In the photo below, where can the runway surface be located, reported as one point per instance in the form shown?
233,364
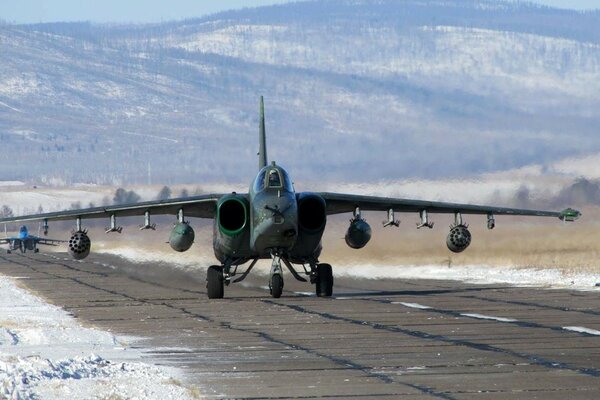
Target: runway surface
374,339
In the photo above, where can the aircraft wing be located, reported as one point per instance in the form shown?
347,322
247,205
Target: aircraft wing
49,242
7,240
203,206
338,203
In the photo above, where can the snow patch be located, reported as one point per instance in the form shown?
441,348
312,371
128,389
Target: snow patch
413,305
581,329
45,353
478,274
11,183
488,317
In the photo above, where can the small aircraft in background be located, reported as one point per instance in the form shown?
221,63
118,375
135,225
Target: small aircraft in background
24,241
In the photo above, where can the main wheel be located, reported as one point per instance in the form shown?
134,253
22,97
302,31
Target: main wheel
324,280
214,282
276,285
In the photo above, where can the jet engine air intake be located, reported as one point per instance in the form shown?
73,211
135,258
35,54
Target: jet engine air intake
359,232
311,213
79,245
182,237
232,215
459,238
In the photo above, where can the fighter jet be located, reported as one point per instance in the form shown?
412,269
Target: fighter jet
273,221
24,241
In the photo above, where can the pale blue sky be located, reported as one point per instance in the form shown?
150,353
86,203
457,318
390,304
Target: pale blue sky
31,11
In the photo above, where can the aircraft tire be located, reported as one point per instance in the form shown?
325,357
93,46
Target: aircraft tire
276,286
214,282
324,280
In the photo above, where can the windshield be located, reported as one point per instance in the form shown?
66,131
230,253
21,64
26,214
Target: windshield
260,181
273,178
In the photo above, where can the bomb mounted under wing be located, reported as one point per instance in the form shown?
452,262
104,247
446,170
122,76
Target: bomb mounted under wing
273,221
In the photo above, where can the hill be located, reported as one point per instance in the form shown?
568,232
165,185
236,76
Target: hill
355,90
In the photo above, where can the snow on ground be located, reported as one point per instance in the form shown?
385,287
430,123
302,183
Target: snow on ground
11,183
478,274
46,354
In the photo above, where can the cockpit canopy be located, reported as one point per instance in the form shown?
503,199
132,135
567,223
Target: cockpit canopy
23,232
273,177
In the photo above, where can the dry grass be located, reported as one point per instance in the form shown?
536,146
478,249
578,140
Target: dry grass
516,242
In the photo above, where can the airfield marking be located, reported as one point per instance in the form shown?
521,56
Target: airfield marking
521,323
532,304
533,358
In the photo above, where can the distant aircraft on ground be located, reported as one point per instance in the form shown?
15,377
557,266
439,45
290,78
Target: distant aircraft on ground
274,222
24,241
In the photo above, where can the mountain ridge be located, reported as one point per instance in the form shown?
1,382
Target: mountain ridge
353,98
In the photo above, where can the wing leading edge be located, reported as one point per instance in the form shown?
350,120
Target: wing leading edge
338,203
203,206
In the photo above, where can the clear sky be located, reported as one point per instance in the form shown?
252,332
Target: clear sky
31,11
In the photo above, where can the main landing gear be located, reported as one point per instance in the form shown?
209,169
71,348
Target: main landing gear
215,282
217,277
323,280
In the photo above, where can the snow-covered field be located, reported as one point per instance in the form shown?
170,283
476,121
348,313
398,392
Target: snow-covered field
478,274
46,354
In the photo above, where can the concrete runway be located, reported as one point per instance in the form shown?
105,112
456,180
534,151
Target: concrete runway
374,339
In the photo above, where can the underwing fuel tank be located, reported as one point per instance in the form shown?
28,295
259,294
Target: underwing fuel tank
182,237
358,234
79,245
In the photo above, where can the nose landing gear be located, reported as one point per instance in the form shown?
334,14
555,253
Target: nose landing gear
276,280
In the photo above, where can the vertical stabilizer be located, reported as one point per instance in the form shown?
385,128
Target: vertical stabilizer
262,137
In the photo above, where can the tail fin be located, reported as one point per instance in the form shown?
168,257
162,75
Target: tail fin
262,137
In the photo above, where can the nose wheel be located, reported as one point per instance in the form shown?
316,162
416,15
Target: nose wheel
276,280
276,285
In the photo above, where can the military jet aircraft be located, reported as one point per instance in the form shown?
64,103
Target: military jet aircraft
273,221
24,241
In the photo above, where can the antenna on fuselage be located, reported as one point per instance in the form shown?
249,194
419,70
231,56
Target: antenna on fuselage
262,137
